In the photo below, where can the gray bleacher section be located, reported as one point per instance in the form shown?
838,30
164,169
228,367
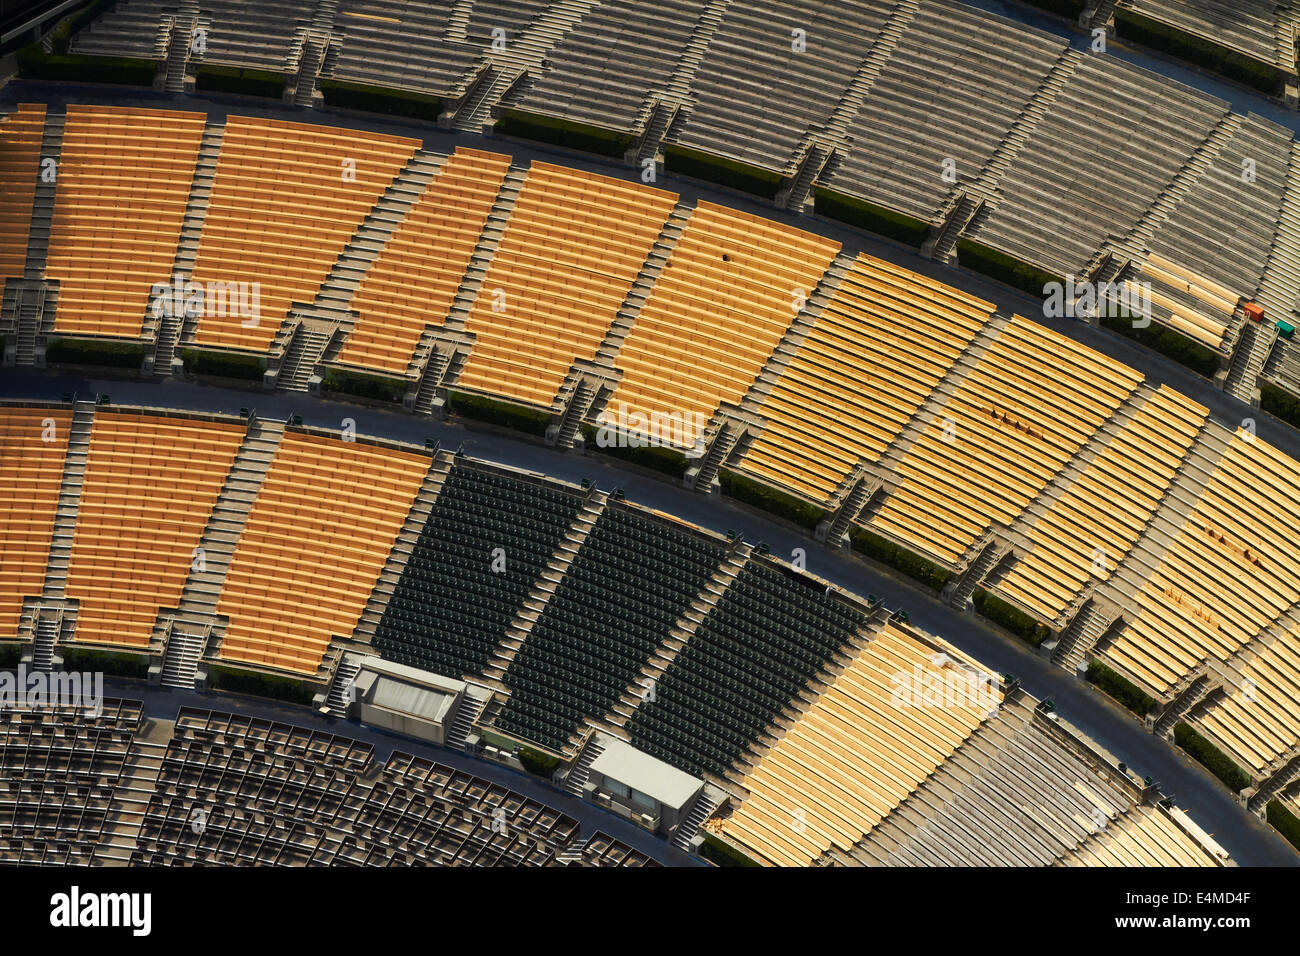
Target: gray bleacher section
756,97
512,16
601,73
1012,795
1262,29
952,89
258,35
1223,229
128,29
411,54
1113,141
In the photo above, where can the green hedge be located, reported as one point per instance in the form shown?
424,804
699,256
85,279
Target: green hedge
224,364
719,169
238,681
998,265
560,132
873,218
1168,343
667,460
1012,618
723,854
1284,822
532,421
377,99
231,79
899,558
1279,402
10,655
379,387
769,499
95,352
1198,50
35,64
112,663
1070,9
1121,688
1218,763
538,763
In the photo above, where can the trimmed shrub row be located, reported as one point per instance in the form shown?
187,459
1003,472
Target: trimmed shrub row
723,171
669,461
224,364
379,387
1281,403
532,421
1198,50
1012,618
232,79
560,132
111,663
1168,343
769,499
1214,759
873,218
1121,688
899,558
723,854
538,763
1284,822
1008,269
95,352
377,99
259,685
35,64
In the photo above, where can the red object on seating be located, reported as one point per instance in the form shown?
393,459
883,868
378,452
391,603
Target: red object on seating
1254,312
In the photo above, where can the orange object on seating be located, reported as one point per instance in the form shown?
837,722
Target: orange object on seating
1254,312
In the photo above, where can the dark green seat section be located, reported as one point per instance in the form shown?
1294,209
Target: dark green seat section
450,609
769,633
627,586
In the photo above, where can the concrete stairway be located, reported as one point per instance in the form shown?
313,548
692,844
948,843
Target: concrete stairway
38,234
547,583
679,82
577,777
1196,691
639,690
47,636
471,708
196,210
385,216
1248,360
938,398
645,280
179,41
786,349
986,184
472,281
65,517
988,559
458,21
30,306
198,602
1081,636
708,801
1189,173
341,693
859,88
439,468
181,658
306,348
1279,287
